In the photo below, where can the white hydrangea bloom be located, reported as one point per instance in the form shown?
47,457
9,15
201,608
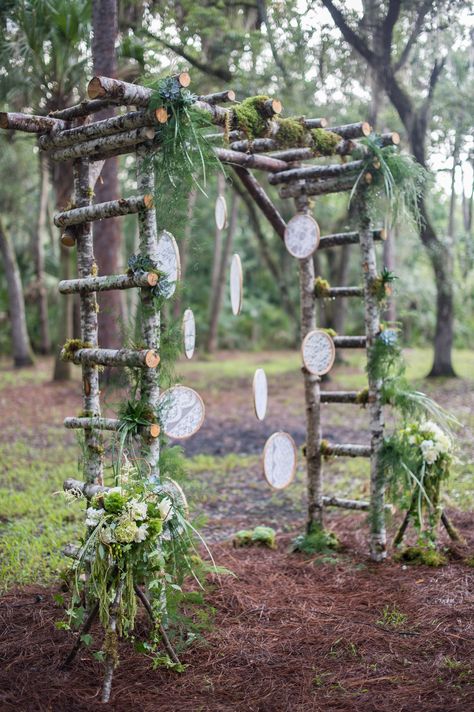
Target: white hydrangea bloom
430,451
141,533
137,509
93,516
106,535
165,507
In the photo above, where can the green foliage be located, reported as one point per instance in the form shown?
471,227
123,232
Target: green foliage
398,180
260,536
392,617
291,133
250,118
420,556
380,286
317,541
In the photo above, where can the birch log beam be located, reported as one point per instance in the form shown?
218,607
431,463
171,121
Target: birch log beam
126,93
30,123
142,358
336,185
263,163
362,129
344,148
342,397
106,283
337,450
101,211
219,97
99,129
262,200
319,172
348,238
378,537
105,145
263,145
350,342
85,108
113,424
357,504
335,292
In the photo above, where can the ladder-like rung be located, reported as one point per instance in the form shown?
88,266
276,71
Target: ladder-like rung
106,283
347,238
107,144
333,292
143,358
105,424
359,504
88,489
350,342
101,211
336,450
359,397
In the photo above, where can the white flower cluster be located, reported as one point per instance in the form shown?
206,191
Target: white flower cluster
435,443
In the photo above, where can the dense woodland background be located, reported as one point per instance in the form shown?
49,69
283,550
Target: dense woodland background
404,66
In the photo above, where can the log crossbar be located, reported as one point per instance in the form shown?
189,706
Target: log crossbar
141,358
102,211
346,450
348,238
350,342
335,292
102,284
342,397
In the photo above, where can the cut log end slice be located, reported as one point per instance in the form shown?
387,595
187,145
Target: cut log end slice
236,285
383,234
155,430
279,460
366,128
152,279
395,138
324,122
161,115
231,95
95,90
277,106
3,120
148,201
260,393
184,79
68,238
152,359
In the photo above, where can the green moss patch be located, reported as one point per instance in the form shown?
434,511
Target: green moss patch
291,133
421,556
318,541
249,116
260,536
324,142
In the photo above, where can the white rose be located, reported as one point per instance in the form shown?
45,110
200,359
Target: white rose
93,516
141,533
137,509
165,507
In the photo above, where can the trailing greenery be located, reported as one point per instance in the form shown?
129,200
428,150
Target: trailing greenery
397,180
260,536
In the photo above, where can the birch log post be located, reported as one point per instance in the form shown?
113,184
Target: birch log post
314,472
112,640
150,316
93,469
378,537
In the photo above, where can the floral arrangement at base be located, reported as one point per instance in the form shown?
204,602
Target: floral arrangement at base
416,460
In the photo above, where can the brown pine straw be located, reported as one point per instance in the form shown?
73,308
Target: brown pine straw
291,634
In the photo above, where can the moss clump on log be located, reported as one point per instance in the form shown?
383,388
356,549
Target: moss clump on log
421,556
260,536
362,397
325,448
329,332
324,142
317,541
249,116
321,288
291,133
71,346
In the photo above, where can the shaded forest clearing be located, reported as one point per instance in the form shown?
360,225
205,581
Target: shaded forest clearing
331,632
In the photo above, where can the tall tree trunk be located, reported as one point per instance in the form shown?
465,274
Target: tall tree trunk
38,253
62,185
107,233
218,292
22,353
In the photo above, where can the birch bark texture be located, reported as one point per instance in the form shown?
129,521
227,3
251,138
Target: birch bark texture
93,468
312,392
150,316
378,536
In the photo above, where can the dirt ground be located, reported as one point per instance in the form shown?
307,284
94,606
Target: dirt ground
291,633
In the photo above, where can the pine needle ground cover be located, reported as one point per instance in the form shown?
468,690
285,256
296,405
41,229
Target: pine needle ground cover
338,647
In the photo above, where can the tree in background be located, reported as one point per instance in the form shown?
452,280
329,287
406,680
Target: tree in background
107,233
386,60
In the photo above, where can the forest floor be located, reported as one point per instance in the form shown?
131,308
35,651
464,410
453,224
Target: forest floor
328,632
